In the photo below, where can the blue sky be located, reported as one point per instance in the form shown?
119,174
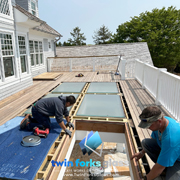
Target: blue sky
90,15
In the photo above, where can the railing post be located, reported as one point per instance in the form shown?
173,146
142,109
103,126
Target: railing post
123,69
70,64
158,90
48,65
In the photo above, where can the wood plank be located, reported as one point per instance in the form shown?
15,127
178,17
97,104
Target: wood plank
48,76
102,126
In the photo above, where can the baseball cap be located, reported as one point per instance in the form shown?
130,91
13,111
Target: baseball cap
146,122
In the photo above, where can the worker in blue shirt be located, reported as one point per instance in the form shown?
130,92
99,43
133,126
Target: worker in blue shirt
45,107
164,146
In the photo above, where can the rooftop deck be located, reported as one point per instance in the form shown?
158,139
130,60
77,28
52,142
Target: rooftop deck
135,97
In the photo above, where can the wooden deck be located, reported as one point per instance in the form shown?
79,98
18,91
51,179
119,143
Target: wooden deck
136,97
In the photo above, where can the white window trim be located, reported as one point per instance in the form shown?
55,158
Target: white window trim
10,10
10,78
26,56
34,54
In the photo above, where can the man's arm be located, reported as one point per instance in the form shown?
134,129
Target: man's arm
67,119
62,125
155,171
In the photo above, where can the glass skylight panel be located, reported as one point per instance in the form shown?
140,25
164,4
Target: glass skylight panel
102,87
101,106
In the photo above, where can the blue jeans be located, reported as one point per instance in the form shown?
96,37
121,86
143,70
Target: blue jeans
151,147
40,120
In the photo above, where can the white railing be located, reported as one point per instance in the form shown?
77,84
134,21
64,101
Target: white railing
164,86
104,63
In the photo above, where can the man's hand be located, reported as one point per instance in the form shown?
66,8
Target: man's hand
137,156
68,132
71,125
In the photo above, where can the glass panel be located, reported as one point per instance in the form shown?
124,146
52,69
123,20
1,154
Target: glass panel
6,44
31,47
36,46
33,6
103,88
34,13
101,106
22,45
41,58
32,59
37,61
23,63
4,7
40,46
69,87
8,66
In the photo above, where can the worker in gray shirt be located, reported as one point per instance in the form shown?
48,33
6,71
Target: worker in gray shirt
54,106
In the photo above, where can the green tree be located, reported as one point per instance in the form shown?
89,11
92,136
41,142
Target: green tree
77,37
67,43
59,44
160,29
102,36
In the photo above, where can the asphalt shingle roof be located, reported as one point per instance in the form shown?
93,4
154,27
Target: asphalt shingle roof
44,27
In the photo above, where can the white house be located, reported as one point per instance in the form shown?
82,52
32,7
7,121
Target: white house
25,43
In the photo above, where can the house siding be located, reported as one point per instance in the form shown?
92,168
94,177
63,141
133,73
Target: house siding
23,4
14,87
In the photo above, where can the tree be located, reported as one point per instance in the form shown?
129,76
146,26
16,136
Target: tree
78,38
102,36
59,44
160,29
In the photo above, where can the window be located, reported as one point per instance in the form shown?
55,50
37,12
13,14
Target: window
49,45
4,7
22,51
31,50
41,52
33,8
36,52
7,56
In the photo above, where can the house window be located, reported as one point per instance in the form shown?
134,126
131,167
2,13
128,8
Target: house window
4,7
41,52
22,51
33,8
7,56
31,50
36,52
49,45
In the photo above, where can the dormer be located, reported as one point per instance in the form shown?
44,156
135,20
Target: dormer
30,6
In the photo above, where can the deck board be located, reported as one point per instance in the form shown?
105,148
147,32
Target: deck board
138,99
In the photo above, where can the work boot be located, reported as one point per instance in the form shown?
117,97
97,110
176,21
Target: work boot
25,122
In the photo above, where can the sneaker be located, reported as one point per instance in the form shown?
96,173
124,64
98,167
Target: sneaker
25,122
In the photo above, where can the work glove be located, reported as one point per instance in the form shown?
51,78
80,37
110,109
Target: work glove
68,132
71,125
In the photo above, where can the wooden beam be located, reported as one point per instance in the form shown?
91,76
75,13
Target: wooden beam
104,126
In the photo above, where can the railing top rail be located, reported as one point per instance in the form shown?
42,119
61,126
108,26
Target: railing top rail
83,56
172,75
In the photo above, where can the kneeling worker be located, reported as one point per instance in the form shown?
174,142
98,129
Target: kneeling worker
164,146
54,106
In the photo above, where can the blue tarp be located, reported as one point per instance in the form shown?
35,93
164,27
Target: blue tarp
19,162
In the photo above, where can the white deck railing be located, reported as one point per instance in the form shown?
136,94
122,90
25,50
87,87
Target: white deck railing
164,86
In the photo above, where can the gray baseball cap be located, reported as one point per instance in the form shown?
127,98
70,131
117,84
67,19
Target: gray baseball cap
147,122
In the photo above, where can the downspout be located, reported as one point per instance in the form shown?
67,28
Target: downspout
55,45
